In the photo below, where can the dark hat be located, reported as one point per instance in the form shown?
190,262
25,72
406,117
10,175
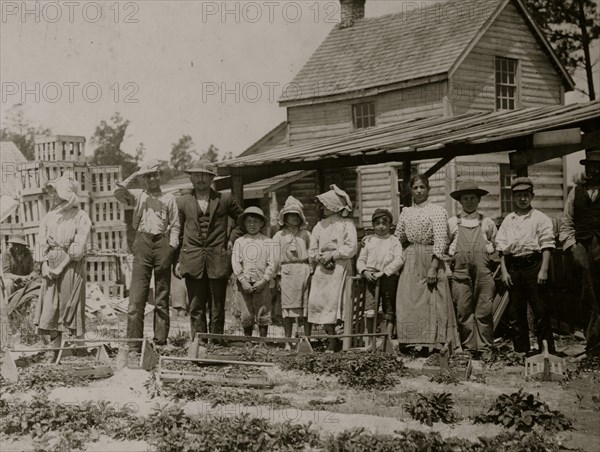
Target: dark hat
382,213
202,166
467,186
251,211
591,156
521,183
18,238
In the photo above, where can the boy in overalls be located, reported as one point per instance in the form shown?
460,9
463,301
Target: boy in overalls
472,241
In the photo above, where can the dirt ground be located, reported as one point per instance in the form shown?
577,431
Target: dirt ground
376,411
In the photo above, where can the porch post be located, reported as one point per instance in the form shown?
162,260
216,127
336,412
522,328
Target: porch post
405,195
237,188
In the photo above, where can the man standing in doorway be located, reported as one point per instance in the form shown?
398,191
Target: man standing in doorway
156,222
580,233
205,252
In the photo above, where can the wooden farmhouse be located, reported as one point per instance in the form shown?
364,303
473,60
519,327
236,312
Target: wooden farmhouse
385,97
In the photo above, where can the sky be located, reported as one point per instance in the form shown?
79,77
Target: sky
209,69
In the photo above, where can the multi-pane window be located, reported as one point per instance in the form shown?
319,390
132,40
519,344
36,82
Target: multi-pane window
506,176
506,83
363,115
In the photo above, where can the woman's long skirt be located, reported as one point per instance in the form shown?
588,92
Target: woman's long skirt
425,314
61,305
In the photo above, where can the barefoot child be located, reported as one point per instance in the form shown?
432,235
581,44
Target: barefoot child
253,265
380,260
292,243
332,247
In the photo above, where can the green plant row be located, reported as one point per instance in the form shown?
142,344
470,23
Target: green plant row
57,427
376,370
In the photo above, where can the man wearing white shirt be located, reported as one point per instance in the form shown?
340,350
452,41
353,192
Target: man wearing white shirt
525,241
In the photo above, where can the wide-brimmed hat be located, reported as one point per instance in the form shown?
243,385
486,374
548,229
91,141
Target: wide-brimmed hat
292,205
591,156
468,186
251,211
382,213
18,238
153,166
521,183
202,166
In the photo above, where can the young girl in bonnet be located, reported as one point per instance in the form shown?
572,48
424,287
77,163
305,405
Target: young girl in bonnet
333,245
293,241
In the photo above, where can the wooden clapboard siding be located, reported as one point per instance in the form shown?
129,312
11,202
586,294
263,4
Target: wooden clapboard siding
376,191
315,122
472,86
305,190
307,123
415,102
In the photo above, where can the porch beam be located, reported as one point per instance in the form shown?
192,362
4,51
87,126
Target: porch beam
438,165
529,156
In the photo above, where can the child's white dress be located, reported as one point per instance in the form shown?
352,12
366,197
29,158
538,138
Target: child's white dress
325,301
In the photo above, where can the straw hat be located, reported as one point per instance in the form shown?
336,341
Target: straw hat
153,166
468,186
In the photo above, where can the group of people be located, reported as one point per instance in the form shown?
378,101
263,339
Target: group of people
430,305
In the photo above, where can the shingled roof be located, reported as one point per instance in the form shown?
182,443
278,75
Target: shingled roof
399,47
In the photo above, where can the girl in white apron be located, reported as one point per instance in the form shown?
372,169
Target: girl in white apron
293,241
333,245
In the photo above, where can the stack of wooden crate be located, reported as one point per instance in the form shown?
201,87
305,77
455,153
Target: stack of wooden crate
107,249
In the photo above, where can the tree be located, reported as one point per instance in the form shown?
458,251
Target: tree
211,154
182,154
108,139
227,156
21,131
570,26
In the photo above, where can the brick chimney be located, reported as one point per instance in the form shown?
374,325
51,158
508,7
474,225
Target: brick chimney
351,10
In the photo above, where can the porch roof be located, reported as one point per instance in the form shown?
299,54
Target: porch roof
429,138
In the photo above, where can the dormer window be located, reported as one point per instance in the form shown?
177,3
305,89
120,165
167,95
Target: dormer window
363,115
506,83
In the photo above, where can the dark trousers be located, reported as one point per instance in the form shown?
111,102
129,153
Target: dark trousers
204,295
388,286
152,253
526,289
590,279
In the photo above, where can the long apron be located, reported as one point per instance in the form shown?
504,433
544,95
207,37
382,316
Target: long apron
327,292
294,284
425,315
473,288
61,305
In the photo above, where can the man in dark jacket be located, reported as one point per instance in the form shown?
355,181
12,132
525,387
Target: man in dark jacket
205,247
580,233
